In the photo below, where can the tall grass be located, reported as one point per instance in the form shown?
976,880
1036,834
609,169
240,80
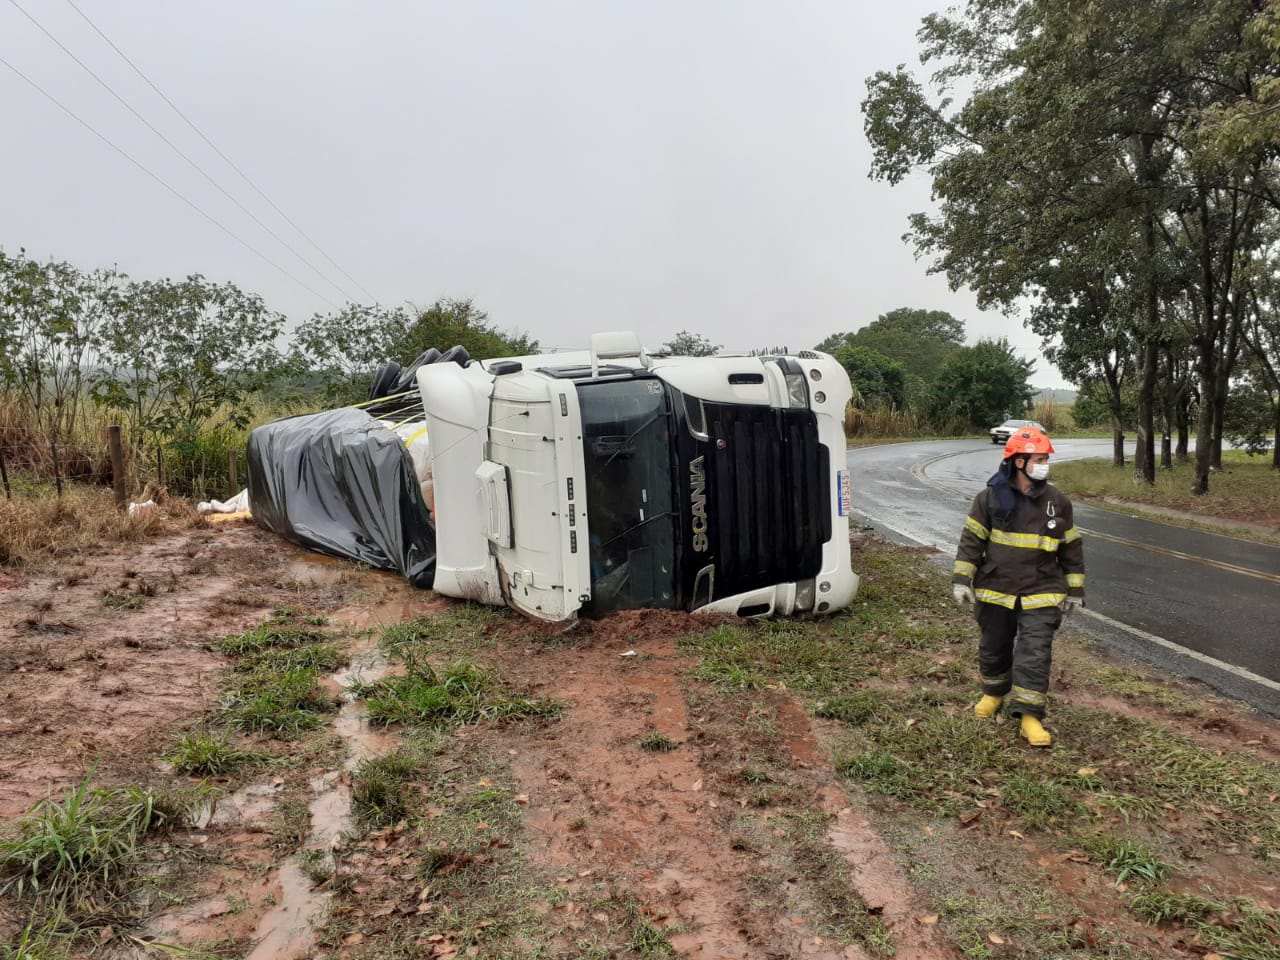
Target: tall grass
88,843
36,531
195,465
1048,412
880,421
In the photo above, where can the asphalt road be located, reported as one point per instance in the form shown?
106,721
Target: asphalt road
1203,605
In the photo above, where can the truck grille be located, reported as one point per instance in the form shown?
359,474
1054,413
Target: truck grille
771,509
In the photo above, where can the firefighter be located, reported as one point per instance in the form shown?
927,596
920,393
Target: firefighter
1021,562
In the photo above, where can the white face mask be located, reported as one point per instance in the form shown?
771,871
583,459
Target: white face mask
1038,471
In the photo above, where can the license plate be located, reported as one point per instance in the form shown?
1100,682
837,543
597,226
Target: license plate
846,492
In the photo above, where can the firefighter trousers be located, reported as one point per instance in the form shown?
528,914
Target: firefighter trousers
1015,655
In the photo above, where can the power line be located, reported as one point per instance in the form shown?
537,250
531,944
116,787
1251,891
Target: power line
172,146
217,223
243,176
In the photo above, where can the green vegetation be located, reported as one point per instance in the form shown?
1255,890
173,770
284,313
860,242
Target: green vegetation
657,742
276,689
1129,859
1245,491
458,694
87,847
201,753
1065,146
456,630
381,793
895,672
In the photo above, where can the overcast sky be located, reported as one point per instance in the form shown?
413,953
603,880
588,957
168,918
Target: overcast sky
571,165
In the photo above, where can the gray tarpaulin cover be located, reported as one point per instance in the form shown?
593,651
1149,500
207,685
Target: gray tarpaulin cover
341,483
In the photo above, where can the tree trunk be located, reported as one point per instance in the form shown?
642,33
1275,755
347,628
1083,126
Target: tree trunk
1275,438
1144,455
1117,444
1204,424
1184,426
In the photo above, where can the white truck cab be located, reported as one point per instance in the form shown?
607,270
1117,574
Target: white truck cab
608,479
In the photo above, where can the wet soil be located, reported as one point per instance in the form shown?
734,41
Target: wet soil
105,663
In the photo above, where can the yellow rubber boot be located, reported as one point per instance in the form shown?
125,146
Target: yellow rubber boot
986,708
1034,732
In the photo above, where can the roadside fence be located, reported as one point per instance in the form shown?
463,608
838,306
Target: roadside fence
31,467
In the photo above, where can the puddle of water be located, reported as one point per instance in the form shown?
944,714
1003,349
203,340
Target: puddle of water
315,570
330,810
248,805
286,931
388,613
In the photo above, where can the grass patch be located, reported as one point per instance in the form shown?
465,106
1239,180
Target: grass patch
648,940
381,787
461,693
1037,803
1244,490
206,754
460,627
1165,907
43,938
1234,928
290,825
286,630
276,690
317,657
87,846
657,742
1129,859
283,705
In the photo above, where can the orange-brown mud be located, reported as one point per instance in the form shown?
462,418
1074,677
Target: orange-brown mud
105,664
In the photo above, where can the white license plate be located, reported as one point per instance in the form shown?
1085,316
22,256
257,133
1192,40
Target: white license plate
846,492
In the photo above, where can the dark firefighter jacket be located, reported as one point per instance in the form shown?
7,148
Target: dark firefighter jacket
1017,546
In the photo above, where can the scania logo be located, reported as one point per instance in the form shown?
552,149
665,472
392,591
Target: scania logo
698,500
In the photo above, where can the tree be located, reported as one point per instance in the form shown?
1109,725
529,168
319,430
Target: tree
447,323
977,384
877,379
1075,142
180,357
686,344
50,317
920,340
345,347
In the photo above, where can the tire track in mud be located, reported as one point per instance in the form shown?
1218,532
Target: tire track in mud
658,825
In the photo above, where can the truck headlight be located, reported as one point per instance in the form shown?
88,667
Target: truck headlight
797,390
804,595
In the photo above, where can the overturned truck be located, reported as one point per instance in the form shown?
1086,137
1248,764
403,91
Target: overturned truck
584,482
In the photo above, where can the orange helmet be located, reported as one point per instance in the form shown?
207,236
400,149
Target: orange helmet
1027,440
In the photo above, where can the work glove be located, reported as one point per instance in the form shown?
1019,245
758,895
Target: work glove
1071,605
963,594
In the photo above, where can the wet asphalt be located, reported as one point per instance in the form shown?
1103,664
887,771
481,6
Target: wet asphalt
1203,605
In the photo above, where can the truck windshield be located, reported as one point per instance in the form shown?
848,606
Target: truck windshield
626,427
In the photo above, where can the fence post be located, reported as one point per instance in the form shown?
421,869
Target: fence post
4,475
57,473
117,465
233,459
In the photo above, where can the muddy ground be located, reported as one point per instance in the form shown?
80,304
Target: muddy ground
106,663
